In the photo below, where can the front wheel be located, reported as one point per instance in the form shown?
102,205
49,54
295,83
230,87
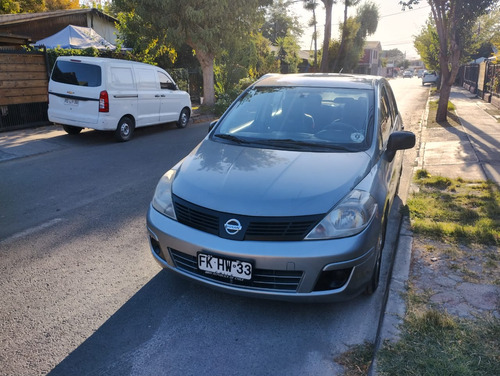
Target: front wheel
374,281
183,118
124,130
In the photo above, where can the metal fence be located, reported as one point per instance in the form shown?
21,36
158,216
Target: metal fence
482,79
24,115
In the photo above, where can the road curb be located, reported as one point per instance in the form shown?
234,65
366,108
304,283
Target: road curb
394,305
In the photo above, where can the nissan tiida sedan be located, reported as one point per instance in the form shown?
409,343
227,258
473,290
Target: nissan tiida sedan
288,195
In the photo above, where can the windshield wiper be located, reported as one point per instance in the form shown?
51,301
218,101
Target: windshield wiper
231,137
303,144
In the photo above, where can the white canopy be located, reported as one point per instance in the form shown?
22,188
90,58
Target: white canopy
76,37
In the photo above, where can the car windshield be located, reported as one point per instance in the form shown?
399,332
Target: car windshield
300,118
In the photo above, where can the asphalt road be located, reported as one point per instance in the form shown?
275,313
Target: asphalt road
80,293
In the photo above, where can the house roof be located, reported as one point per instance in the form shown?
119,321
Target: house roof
373,45
10,19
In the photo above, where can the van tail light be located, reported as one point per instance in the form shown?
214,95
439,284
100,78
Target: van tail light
103,101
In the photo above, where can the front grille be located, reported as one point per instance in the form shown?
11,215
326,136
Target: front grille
264,279
278,230
197,219
253,228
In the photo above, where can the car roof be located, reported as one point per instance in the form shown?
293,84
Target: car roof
99,60
350,81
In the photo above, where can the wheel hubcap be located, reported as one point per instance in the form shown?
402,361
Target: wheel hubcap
125,129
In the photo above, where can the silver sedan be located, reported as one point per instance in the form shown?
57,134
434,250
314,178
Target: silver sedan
288,195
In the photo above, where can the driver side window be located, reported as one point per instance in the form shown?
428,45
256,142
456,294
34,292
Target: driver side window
386,116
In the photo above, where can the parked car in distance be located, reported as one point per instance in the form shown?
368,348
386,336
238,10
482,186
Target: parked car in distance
430,78
113,95
288,195
420,73
407,73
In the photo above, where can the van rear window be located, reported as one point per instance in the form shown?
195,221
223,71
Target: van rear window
80,74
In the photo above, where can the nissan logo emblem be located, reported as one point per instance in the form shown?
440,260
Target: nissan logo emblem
232,227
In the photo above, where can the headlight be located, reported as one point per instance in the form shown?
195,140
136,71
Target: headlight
162,200
348,218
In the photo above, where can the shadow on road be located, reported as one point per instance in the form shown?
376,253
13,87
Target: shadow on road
161,330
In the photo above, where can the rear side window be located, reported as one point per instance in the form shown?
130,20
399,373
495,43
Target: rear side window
79,74
122,78
146,79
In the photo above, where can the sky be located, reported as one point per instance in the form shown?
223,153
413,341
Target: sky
396,28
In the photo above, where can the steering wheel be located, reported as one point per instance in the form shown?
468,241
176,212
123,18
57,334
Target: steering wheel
335,128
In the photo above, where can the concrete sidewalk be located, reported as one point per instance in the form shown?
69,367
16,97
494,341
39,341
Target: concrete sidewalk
471,152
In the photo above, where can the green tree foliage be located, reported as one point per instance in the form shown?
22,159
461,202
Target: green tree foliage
236,69
61,4
454,20
347,4
9,7
352,51
279,23
488,32
427,45
209,28
355,32
283,31
34,6
393,56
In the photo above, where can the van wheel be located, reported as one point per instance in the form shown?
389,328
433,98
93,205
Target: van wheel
183,118
125,129
70,129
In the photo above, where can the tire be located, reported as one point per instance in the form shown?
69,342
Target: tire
372,286
70,129
125,129
183,118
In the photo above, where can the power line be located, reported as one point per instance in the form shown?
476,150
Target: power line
405,11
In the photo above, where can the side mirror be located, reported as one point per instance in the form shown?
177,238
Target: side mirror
172,86
212,125
401,140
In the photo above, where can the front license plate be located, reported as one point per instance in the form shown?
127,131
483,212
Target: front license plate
224,267
71,102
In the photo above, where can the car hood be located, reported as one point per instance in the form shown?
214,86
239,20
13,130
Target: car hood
264,182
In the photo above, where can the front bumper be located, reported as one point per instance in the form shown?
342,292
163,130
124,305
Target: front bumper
314,271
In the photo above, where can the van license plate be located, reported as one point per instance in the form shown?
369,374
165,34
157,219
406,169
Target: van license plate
71,102
224,267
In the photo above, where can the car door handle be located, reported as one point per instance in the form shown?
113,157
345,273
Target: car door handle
163,95
157,96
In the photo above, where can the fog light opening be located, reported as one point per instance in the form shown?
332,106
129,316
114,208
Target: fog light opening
333,279
155,246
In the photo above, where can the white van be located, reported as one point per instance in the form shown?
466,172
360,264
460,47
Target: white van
113,95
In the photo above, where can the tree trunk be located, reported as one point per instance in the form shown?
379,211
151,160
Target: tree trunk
328,34
444,97
342,40
207,66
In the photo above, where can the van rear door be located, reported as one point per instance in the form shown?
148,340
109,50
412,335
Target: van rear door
74,90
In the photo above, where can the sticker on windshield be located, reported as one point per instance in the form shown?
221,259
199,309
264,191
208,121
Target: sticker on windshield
357,137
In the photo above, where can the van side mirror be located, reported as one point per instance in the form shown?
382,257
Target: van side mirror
172,86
